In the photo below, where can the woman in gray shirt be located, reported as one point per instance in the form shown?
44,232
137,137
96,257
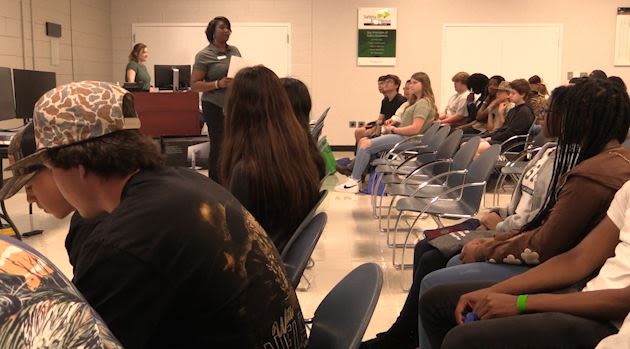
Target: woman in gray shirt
209,76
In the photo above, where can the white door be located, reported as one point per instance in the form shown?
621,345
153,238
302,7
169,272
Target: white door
178,43
511,50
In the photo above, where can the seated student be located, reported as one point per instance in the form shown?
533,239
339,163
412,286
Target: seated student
487,109
416,118
499,108
590,166
478,85
520,312
536,98
45,307
527,200
396,119
456,111
195,261
388,85
300,101
517,121
265,159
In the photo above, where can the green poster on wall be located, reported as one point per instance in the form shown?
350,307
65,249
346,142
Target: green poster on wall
377,36
377,43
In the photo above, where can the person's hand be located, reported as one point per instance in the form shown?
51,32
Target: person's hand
495,305
467,303
225,82
387,129
502,107
389,122
469,250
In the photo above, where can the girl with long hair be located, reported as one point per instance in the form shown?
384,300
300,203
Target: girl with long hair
265,159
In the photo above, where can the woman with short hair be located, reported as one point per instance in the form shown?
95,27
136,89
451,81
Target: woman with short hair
209,76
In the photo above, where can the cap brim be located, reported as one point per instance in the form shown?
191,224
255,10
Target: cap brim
14,184
37,158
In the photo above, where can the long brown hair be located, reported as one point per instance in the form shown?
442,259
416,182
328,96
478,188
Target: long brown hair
263,137
427,91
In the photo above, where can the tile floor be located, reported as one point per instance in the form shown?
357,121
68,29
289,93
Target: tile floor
350,239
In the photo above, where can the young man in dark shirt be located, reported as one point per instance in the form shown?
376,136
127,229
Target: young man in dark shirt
389,86
175,261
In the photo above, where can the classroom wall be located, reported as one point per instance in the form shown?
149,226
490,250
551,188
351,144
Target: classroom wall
296,12
588,43
324,39
85,48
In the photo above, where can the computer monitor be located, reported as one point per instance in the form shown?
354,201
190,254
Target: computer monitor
164,76
175,150
29,86
7,103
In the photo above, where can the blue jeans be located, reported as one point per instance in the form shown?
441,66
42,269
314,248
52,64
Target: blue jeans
378,144
471,272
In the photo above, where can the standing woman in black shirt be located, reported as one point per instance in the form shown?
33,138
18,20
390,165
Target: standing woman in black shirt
209,76
265,159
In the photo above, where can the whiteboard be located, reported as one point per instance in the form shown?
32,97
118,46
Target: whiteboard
178,43
511,50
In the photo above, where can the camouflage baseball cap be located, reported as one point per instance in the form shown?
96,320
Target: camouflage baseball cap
77,112
22,145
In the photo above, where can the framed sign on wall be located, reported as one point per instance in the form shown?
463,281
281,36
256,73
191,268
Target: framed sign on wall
376,36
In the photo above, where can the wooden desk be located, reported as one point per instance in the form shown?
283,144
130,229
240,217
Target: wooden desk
168,113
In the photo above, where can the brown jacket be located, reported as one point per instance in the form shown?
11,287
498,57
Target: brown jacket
582,203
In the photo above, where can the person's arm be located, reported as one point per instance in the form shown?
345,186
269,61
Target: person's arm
411,130
128,294
518,124
131,75
484,110
603,304
453,119
380,119
198,84
580,202
558,272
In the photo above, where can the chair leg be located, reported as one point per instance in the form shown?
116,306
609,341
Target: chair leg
389,214
404,246
437,221
375,184
5,215
373,194
380,212
389,230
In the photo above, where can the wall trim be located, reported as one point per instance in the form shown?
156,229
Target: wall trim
342,147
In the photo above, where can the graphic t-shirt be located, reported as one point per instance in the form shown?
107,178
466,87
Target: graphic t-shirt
181,264
39,306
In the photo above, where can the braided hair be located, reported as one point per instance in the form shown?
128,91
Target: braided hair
584,118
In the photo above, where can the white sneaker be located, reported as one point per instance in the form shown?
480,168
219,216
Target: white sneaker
351,186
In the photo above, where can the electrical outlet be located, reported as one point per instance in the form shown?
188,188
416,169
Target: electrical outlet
352,124
583,74
570,75
360,123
